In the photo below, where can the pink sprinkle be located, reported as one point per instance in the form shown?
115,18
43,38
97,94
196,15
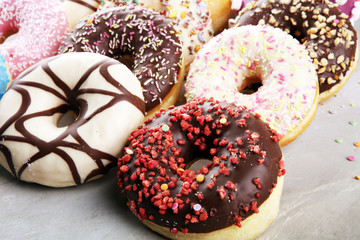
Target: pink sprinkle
351,158
336,21
174,206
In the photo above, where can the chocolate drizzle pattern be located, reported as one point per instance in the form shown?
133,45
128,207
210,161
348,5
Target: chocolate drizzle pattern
144,35
71,102
319,25
85,4
245,163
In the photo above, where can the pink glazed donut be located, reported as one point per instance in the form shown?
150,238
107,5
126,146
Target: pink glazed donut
40,25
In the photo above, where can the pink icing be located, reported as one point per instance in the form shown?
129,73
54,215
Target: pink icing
40,27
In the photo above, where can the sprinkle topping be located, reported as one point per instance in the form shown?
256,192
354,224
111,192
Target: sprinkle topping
146,36
233,59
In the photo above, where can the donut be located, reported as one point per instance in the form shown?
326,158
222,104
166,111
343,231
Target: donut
104,95
236,195
191,19
263,68
146,38
220,13
326,32
40,28
5,79
77,9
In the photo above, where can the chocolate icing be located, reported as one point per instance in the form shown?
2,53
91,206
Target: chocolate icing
322,28
85,4
73,103
247,152
148,37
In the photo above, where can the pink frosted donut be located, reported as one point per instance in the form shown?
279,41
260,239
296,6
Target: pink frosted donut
40,25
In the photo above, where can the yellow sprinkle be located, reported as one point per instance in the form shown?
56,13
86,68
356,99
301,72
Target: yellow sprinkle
180,170
164,187
183,14
200,178
172,13
357,177
197,48
223,120
90,21
357,144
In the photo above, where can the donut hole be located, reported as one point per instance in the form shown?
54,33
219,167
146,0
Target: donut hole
67,118
196,164
250,85
127,60
8,36
298,35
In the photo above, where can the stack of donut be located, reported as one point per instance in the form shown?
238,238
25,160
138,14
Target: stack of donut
211,168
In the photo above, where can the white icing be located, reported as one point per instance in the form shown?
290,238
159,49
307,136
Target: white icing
289,79
107,132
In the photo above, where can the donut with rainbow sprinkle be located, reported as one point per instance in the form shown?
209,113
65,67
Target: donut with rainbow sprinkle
260,67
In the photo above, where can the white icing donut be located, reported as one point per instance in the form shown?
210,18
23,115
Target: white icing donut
239,57
78,9
109,104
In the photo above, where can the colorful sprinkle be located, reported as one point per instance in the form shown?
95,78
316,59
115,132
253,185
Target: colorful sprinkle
200,178
165,128
353,123
223,120
357,144
357,177
174,206
164,187
338,140
351,158
129,151
197,207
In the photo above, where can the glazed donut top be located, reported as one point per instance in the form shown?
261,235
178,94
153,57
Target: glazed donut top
325,31
148,37
245,163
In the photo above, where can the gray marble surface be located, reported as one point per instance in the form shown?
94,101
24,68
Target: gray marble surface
321,197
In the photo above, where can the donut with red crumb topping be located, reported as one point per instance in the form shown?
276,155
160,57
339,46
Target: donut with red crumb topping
235,196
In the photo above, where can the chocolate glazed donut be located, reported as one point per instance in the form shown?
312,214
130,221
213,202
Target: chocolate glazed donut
246,161
320,26
34,149
146,36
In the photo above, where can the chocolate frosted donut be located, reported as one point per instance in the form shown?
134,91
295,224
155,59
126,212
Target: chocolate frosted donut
245,166
326,32
147,37
108,102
